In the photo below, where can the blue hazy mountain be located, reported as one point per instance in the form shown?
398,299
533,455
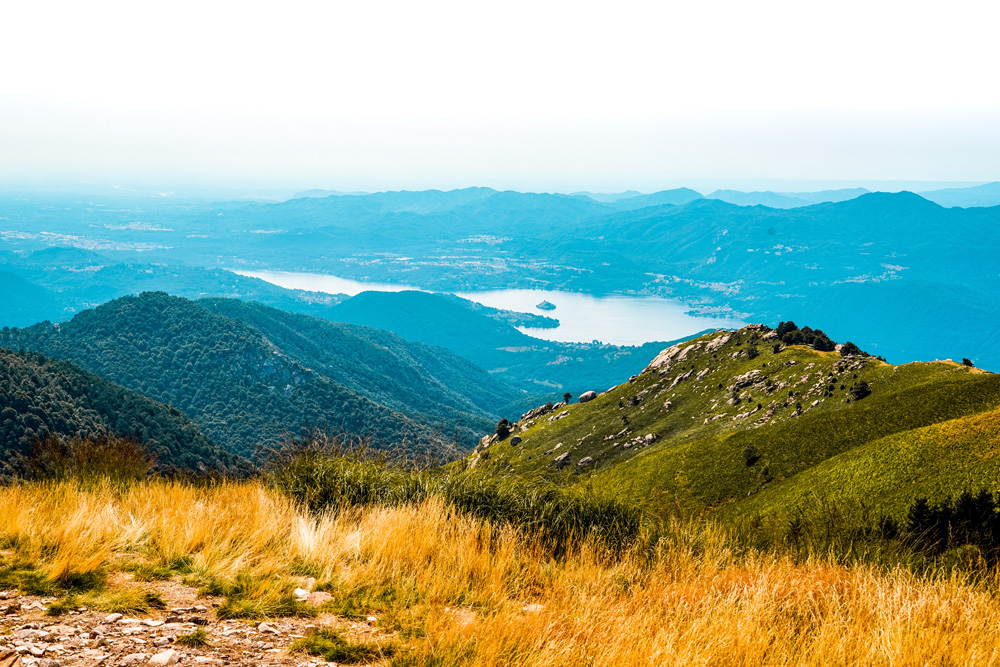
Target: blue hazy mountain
55,283
823,196
25,303
899,275
785,199
606,197
770,199
319,192
980,195
676,196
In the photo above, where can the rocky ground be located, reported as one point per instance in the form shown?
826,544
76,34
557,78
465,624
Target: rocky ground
30,637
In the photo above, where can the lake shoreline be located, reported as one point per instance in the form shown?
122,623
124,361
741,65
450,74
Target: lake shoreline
617,319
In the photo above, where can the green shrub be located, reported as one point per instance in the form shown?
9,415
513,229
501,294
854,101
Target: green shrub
254,598
196,639
97,459
323,475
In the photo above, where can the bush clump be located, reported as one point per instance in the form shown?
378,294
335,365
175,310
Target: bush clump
325,475
790,334
101,458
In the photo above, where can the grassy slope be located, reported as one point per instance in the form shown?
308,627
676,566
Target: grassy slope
697,462
456,591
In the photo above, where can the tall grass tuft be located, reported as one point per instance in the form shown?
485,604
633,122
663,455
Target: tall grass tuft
102,458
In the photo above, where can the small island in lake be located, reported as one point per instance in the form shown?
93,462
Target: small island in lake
545,305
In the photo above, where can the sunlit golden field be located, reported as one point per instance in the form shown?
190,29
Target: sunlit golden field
457,591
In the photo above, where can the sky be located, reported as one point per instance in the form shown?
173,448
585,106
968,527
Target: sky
536,95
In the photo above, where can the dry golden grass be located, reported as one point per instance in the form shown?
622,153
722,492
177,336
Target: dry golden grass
463,593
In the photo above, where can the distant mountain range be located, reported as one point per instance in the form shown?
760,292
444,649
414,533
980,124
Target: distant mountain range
898,273
909,278
786,199
978,196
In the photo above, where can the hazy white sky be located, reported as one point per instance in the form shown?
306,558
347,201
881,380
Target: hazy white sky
529,95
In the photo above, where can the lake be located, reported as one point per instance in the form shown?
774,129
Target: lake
616,319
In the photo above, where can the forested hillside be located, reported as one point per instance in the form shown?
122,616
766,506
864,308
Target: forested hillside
245,391
41,397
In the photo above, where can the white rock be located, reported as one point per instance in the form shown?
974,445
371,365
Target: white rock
152,623
165,658
264,627
113,618
301,593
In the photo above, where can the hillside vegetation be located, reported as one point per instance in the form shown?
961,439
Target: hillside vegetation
249,374
42,398
742,424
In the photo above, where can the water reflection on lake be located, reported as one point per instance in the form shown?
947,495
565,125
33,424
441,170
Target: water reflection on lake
620,320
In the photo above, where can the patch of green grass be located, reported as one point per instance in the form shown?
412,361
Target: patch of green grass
360,601
196,639
31,580
157,571
333,647
254,598
64,605
128,601
27,579
149,571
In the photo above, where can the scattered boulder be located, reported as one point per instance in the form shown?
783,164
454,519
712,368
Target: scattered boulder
716,343
165,658
588,396
586,460
515,441
318,598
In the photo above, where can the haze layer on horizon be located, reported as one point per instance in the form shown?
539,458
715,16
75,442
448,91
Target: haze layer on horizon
552,96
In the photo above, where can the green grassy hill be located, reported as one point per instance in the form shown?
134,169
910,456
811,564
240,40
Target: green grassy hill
740,423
